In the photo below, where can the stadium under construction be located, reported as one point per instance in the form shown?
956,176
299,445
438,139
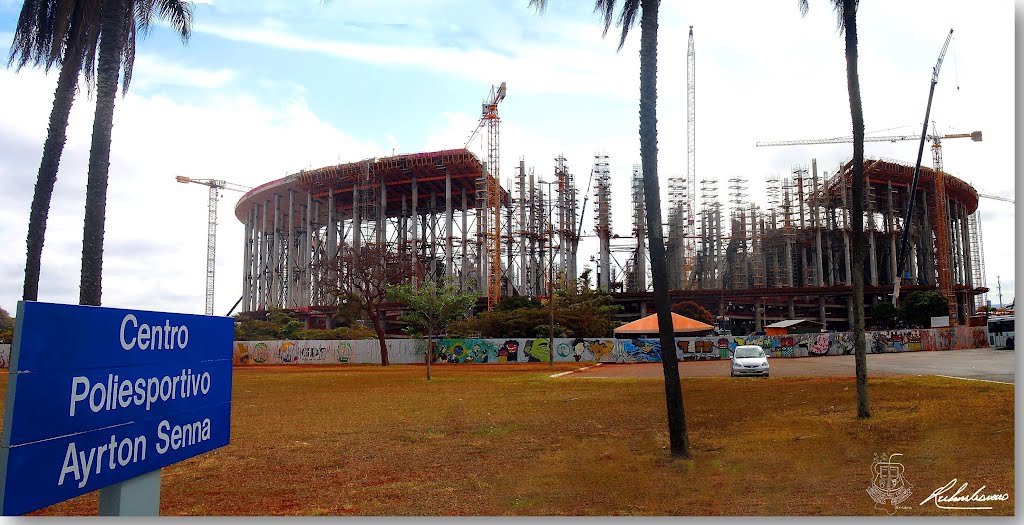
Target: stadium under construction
446,215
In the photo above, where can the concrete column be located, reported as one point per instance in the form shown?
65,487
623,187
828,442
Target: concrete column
822,317
307,258
465,240
846,251
758,317
275,256
264,260
403,227
872,265
790,274
289,253
433,236
332,228
913,262
829,278
929,246
893,259
382,215
791,307
247,266
356,218
415,230
448,224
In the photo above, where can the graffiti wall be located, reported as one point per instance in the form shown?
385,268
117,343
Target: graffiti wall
5,355
603,350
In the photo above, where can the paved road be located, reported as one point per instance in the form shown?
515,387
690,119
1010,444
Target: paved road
983,363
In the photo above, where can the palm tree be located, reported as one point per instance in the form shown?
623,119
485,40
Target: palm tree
51,32
846,13
679,442
45,28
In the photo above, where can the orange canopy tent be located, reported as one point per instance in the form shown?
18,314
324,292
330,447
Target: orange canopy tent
649,325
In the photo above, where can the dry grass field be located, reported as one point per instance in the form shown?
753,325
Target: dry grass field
509,440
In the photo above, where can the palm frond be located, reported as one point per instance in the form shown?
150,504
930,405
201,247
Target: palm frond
143,14
128,49
627,16
28,37
179,15
840,7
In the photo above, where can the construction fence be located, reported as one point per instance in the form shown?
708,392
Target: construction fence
604,350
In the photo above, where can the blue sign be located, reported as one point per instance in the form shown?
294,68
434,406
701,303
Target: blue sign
97,396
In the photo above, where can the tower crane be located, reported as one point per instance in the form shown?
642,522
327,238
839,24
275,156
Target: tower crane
941,222
491,227
211,238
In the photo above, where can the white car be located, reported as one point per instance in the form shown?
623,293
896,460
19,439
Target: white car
749,360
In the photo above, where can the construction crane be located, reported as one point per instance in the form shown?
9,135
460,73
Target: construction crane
491,189
690,231
211,238
941,221
936,140
996,198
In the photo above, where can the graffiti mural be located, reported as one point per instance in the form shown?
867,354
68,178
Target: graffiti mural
640,351
605,350
696,349
538,351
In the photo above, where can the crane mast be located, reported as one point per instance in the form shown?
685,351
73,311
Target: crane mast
490,212
689,232
211,228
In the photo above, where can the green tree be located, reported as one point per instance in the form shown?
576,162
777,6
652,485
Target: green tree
364,277
693,311
65,33
432,307
918,308
846,13
278,324
6,327
884,315
679,441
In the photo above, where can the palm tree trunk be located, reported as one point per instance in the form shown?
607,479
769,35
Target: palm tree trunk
53,148
108,71
857,207
679,442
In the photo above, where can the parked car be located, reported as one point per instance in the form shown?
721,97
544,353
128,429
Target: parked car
749,360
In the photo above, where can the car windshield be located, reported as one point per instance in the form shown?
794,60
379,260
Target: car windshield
749,352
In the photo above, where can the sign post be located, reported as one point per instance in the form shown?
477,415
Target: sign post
101,397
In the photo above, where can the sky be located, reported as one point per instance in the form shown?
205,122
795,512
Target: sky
266,88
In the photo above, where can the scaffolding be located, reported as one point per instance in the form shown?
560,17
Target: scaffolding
603,218
636,280
434,209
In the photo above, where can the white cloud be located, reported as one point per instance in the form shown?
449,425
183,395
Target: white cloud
155,241
763,73
155,71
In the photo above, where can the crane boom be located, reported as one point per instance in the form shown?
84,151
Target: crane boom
996,198
975,136
211,227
